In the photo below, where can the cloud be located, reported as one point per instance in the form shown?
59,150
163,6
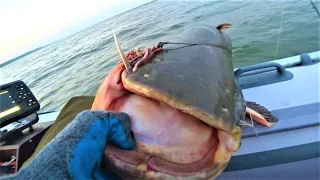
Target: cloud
25,25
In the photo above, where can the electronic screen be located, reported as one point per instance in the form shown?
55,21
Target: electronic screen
16,102
7,104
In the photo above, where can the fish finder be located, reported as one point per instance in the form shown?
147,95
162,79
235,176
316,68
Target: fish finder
18,107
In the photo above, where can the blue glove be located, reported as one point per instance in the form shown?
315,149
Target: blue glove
77,151
112,128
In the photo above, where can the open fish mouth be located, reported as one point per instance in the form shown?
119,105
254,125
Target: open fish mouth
171,144
184,107
167,147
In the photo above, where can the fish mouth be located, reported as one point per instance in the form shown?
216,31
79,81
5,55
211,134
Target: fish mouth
143,164
140,165
137,164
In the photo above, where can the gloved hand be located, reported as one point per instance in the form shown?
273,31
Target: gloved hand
77,151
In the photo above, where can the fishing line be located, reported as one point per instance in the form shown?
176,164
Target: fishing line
182,47
161,44
315,7
261,154
280,29
252,125
302,45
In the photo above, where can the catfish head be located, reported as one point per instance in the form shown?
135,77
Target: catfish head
184,106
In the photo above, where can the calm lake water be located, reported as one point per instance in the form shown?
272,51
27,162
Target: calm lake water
261,31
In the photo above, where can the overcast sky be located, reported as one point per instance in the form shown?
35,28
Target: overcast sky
28,24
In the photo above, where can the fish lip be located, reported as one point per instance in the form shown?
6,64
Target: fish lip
207,158
139,59
138,166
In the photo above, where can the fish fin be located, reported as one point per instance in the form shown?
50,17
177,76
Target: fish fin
223,26
263,111
122,55
260,114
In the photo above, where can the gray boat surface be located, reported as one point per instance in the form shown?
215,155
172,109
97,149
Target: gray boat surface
291,148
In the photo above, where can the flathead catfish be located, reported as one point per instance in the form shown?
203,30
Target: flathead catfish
185,107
